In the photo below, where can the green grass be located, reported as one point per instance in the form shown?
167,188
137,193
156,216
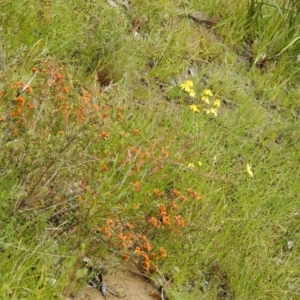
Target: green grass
87,169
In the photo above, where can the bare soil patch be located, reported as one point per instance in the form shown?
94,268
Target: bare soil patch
127,283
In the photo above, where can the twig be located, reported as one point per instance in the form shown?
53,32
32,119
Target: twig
7,115
213,164
162,293
54,160
27,84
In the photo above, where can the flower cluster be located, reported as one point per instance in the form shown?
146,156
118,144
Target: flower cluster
213,104
192,165
188,87
210,103
167,216
131,242
135,239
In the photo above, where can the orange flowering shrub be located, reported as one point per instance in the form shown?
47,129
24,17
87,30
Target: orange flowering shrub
89,159
135,238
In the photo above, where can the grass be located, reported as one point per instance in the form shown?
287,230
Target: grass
102,157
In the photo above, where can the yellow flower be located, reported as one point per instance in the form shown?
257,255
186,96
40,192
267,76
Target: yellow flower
188,89
194,108
211,111
191,166
207,93
217,103
205,99
214,112
189,83
192,94
249,171
187,86
199,163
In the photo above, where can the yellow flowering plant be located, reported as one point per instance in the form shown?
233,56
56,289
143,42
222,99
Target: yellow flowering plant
211,104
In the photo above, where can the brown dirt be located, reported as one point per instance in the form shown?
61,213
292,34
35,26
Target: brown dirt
127,282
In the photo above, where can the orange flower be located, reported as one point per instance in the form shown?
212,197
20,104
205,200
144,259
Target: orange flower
20,100
134,150
14,131
166,220
104,168
147,246
106,231
131,226
18,85
16,112
33,69
120,116
163,252
96,107
86,98
105,115
30,106
29,89
110,222
165,153
104,134
175,193
59,77
137,249
147,261
65,90
153,221
193,194
123,236
180,221
136,131
184,198
161,194
162,210
142,237
137,186
147,265
155,191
